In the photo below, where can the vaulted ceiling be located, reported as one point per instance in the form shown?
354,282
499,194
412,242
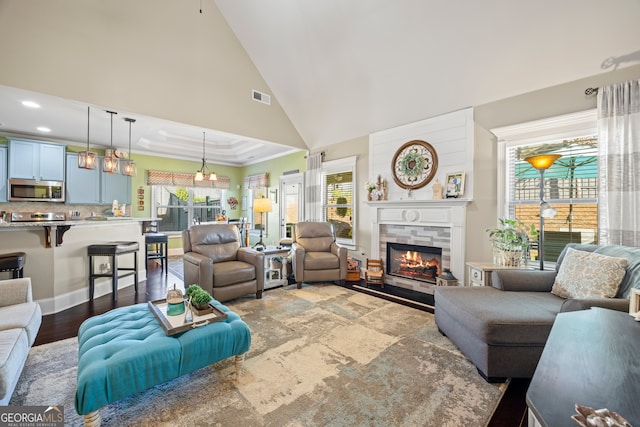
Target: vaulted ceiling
345,68
339,69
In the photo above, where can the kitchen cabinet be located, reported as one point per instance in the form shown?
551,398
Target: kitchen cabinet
115,187
43,161
3,174
82,185
92,186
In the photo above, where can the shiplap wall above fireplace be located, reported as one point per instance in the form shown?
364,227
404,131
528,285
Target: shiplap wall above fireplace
451,135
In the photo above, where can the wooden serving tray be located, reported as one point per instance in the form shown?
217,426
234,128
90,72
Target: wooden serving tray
176,324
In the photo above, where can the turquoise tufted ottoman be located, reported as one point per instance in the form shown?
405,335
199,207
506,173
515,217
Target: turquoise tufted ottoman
125,351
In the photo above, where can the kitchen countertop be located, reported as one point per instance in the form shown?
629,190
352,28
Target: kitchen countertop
87,221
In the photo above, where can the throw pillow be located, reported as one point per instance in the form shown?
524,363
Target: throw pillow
588,275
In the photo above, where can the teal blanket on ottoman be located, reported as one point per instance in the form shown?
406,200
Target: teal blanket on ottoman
126,350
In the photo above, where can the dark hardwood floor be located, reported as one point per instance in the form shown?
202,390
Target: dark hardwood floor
65,324
511,411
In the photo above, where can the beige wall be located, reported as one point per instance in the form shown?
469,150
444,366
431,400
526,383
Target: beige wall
357,147
158,58
482,212
550,102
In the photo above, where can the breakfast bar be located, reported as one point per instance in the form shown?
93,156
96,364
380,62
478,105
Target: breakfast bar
59,267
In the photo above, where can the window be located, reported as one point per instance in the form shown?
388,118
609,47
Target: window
178,207
338,207
570,184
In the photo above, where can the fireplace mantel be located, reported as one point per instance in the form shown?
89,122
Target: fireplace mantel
417,202
446,213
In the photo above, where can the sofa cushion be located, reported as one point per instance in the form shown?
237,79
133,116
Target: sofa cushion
632,274
232,272
524,318
588,275
14,349
26,316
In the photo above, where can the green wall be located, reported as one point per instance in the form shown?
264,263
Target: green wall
276,168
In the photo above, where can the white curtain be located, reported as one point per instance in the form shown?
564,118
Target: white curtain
619,164
313,195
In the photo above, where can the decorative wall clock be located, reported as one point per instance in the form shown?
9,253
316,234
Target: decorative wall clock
414,165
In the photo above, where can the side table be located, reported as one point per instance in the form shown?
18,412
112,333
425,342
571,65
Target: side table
480,272
590,358
274,277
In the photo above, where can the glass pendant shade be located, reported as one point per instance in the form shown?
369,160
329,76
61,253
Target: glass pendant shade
110,163
129,167
87,159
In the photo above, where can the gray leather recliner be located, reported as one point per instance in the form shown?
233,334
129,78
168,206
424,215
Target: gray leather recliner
315,254
214,259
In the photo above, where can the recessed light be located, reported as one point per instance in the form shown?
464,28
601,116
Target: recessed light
31,104
43,129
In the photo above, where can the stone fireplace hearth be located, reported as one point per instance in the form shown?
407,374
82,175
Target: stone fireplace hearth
430,223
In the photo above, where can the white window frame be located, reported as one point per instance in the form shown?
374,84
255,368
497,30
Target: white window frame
559,128
190,206
347,164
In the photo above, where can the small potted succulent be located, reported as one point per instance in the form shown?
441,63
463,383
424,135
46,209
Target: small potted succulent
199,298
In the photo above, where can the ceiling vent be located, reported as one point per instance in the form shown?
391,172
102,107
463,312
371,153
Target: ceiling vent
261,97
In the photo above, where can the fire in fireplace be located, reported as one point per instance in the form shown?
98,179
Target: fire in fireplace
413,261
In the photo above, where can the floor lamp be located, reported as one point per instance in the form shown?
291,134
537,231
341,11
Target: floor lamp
261,206
543,162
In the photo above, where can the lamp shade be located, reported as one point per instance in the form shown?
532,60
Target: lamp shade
547,211
543,161
262,205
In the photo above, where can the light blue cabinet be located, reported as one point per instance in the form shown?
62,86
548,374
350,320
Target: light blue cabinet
82,185
115,187
86,186
3,174
44,161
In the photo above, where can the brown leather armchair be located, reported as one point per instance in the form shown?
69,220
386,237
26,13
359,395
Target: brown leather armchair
214,259
315,254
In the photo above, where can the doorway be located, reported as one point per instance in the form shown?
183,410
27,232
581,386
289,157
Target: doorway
292,203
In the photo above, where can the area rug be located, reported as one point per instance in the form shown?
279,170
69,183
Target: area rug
322,355
176,267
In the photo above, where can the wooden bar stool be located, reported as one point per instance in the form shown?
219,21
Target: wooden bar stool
13,262
113,250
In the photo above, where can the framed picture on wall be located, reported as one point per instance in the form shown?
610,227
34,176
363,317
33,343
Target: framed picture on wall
455,184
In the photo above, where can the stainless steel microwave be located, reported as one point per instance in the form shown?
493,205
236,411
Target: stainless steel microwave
29,190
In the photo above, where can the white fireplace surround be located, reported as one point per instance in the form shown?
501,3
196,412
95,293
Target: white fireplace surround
421,217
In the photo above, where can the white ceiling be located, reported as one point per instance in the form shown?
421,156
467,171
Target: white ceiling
68,123
342,69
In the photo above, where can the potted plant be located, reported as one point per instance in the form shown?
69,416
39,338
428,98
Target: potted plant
199,297
369,186
511,242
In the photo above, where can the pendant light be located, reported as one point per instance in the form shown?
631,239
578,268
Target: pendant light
203,169
87,159
129,167
111,164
